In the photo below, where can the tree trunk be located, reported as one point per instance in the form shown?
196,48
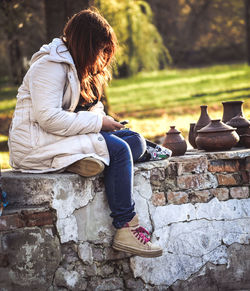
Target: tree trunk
16,61
247,19
57,12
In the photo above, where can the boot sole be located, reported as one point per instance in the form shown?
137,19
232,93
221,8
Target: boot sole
87,167
142,253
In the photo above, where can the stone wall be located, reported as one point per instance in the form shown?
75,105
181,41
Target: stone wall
56,233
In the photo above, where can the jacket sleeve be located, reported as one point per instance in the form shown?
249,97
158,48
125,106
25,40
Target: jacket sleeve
98,108
46,83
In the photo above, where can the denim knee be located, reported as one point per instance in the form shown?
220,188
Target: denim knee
137,145
142,142
119,150
117,147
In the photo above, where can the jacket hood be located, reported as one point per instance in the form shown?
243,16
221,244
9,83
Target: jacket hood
55,51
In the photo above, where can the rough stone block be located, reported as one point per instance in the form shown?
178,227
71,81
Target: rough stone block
234,154
40,189
170,183
99,227
228,179
125,267
26,219
158,199
229,166
106,270
70,280
232,166
69,253
91,270
147,166
199,242
198,181
113,283
110,254
177,197
85,253
97,254
245,175
248,163
39,218
157,175
171,170
99,184
232,276
33,257
239,192
201,196
9,222
4,261
133,284
213,210
222,194
194,165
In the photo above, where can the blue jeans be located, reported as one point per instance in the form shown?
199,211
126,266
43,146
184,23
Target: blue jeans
125,147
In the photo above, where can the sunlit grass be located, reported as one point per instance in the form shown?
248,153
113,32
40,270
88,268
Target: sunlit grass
7,99
188,88
4,160
4,155
3,138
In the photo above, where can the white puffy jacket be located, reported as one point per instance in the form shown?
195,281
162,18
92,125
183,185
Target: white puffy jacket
45,134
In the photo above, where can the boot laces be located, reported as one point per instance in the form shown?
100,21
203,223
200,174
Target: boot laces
141,234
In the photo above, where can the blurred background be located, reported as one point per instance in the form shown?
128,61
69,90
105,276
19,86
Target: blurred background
174,55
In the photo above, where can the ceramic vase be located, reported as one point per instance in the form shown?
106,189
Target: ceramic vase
231,109
217,136
203,120
175,142
241,124
191,136
245,139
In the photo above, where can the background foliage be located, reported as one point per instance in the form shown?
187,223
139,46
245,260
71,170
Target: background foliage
203,31
194,32
141,45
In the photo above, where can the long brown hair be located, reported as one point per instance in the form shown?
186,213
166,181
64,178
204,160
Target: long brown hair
91,42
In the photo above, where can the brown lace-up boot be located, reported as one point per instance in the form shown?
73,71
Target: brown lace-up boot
133,239
87,167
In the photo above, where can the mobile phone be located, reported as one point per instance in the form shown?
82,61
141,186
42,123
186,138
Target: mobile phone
124,122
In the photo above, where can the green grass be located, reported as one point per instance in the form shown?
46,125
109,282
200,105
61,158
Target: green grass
7,99
154,101
4,160
171,91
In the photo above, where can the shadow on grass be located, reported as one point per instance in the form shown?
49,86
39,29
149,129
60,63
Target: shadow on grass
5,124
4,146
222,92
226,98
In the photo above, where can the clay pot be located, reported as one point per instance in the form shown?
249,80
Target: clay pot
191,136
217,136
241,124
175,142
203,120
245,140
231,109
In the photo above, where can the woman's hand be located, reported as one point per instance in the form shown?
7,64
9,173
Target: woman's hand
108,124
